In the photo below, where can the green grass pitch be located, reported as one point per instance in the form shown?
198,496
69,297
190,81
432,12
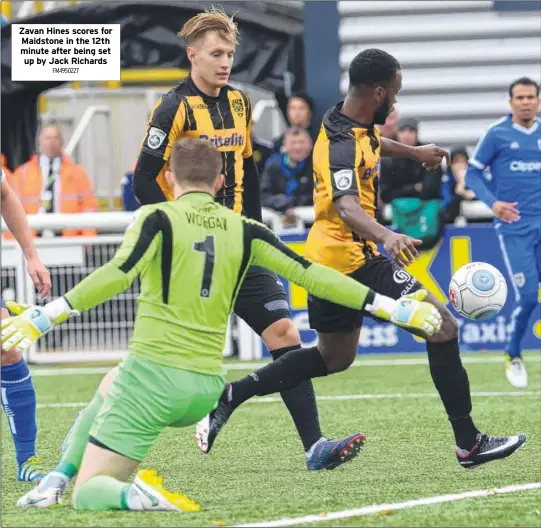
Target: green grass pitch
256,471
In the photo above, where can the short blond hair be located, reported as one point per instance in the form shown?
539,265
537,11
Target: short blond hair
215,19
196,162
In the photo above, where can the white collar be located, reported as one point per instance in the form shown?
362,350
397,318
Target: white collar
527,131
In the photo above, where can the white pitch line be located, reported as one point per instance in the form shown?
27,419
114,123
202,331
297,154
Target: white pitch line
70,371
378,508
395,395
62,405
338,397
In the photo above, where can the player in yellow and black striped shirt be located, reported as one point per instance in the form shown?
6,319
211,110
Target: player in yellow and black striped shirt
205,106
343,237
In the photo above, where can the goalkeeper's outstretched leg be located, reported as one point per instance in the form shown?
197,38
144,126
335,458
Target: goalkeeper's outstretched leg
113,435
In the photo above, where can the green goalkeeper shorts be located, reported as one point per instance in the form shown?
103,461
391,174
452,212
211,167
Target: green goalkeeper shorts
144,398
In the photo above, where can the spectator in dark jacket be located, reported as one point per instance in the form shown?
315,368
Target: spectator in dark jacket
300,107
401,177
287,179
453,187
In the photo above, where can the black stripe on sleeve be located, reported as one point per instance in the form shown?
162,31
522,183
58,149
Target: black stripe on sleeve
342,153
264,233
154,223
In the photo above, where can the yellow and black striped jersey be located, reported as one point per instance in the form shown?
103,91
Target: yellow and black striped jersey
345,160
225,121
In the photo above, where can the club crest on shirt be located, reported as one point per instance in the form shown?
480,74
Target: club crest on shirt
238,107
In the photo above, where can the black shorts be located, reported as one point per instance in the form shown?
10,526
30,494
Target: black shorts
261,300
381,275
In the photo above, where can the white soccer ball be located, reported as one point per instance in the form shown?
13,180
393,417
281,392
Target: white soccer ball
478,291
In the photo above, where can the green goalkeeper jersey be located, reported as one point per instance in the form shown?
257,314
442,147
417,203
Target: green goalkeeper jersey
191,256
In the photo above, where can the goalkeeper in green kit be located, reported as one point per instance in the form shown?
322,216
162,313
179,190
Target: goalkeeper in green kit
191,255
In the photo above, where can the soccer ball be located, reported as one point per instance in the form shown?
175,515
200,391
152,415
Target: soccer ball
478,291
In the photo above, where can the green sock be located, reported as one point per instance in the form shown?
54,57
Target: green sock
71,459
102,493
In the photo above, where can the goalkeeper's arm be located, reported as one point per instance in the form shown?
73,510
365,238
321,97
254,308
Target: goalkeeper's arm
141,241
321,281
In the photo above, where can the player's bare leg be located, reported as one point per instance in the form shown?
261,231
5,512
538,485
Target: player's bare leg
102,484
99,461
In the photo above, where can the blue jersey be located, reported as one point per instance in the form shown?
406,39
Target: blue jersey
513,154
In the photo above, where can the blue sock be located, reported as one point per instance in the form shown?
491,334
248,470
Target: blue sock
519,320
19,403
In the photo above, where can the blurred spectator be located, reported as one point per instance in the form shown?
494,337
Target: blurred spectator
453,188
129,201
50,182
413,192
287,179
388,130
300,107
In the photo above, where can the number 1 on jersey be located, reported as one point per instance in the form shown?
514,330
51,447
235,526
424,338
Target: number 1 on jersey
206,247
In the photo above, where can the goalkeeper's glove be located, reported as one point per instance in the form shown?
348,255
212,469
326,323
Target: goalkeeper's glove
31,322
409,312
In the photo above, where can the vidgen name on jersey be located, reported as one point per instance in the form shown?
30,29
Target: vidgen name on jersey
208,222
234,140
525,166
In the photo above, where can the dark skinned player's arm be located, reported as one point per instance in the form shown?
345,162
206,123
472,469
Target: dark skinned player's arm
350,211
268,251
429,155
393,149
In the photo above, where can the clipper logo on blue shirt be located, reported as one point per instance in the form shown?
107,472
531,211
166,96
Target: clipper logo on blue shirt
234,140
525,166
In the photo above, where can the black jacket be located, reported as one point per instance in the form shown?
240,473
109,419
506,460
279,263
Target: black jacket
283,188
398,177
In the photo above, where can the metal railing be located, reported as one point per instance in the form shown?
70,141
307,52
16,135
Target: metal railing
115,222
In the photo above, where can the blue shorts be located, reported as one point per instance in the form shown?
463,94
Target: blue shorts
3,304
522,257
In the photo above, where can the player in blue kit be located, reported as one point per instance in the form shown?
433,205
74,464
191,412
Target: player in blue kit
511,148
18,394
